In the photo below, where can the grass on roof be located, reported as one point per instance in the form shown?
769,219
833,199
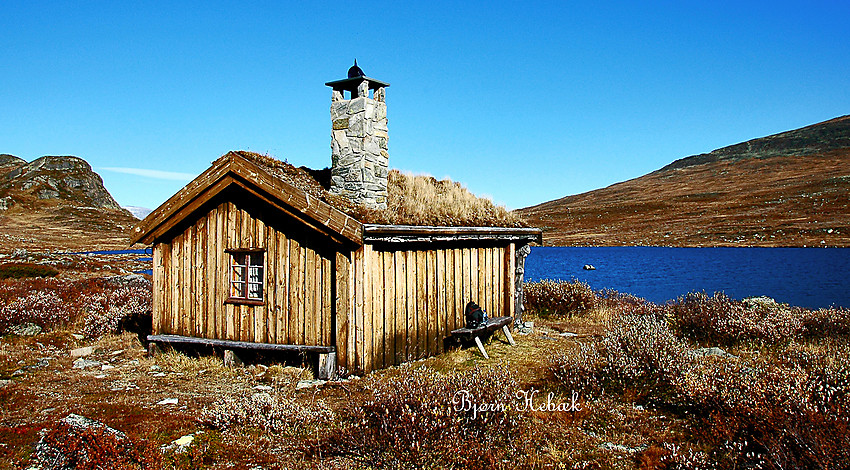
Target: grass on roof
412,199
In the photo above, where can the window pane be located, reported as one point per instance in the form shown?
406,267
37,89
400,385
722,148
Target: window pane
247,275
255,291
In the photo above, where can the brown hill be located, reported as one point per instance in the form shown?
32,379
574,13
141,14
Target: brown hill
787,189
57,203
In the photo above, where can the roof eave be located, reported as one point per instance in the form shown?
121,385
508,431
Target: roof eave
234,169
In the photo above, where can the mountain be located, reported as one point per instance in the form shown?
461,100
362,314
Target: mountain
57,203
138,212
786,189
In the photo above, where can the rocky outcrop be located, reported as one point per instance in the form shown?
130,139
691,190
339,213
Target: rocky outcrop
53,177
9,163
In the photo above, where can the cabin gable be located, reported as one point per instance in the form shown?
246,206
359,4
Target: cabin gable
194,275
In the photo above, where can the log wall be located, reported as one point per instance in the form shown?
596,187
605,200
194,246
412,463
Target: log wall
192,275
407,301
380,305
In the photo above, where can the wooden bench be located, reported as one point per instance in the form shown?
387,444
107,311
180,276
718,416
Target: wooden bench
486,328
325,369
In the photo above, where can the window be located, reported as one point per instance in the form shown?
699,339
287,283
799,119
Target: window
247,275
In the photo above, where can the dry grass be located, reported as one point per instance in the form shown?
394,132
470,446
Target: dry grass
424,200
412,199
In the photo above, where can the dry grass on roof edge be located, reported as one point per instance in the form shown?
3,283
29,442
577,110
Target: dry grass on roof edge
412,200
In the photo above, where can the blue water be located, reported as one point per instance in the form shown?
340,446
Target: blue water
145,251
805,277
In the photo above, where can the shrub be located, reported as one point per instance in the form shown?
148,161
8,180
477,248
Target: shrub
549,297
94,446
42,307
272,413
105,310
638,355
99,305
786,409
417,420
24,270
827,323
719,320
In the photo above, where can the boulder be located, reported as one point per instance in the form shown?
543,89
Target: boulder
85,363
24,329
58,449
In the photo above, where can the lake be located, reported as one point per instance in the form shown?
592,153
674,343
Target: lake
805,277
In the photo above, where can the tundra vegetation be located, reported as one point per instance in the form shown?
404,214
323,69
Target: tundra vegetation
702,382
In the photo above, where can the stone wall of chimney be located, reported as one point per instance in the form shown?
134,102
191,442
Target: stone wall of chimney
359,157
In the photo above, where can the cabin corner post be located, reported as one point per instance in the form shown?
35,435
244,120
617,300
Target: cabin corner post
519,277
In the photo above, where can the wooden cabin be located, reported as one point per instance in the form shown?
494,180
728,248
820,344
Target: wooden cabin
244,257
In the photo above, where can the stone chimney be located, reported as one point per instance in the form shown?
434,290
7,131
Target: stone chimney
359,157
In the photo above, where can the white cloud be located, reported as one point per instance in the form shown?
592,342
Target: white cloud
157,174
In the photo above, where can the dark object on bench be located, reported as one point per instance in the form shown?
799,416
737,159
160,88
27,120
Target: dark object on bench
489,326
474,315
325,368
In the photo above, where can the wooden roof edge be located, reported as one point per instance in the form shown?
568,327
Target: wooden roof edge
186,194
424,232
233,163
317,210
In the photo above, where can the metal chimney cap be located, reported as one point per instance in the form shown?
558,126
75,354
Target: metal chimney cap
355,71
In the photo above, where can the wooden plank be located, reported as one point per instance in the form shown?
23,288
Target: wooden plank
399,308
341,310
260,312
351,317
360,315
269,240
186,282
157,291
295,291
316,317
483,279
368,346
209,275
309,295
231,311
328,280
500,259
270,283
199,272
488,280
389,308
245,312
441,287
472,254
410,306
377,269
222,283
431,308
378,315
450,289
281,293
181,339
421,304
510,286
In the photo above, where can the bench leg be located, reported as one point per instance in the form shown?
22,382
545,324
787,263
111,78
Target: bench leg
231,359
481,347
507,333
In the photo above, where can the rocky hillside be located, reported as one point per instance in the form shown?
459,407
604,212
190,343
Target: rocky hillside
787,189
57,203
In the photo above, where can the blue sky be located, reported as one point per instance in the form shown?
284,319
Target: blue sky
522,101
